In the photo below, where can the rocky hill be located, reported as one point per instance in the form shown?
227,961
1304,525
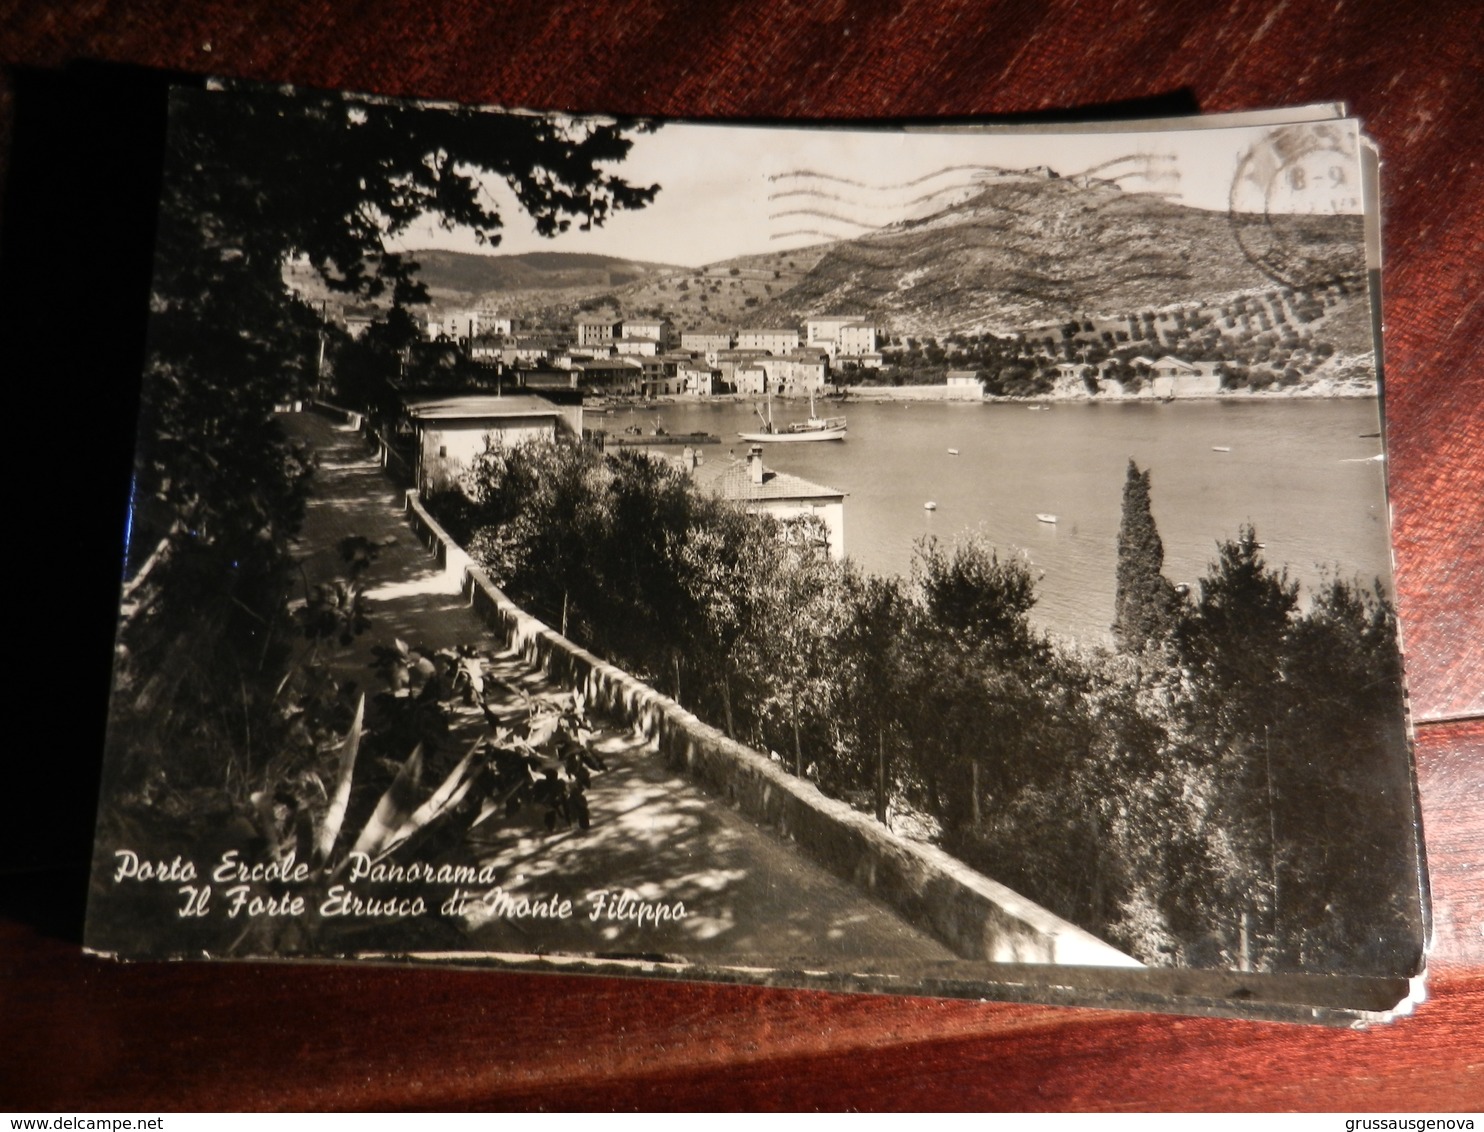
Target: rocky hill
1029,248
1029,251
461,277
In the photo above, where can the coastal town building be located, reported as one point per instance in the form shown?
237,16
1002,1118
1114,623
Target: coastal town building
748,378
658,330
661,377
636,347
608,375
770,340
965,385
1176,378
824,328
706,343
467,323
785,497
838,336
700,379
536,346
797,373
451,431
598,331
490,348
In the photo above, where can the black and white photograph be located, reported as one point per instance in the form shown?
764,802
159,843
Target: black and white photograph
934,561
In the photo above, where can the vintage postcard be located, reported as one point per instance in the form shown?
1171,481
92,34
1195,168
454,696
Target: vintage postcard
944,562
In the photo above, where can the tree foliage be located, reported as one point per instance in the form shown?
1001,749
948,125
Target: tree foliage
1296,720
1144,600
256,178
1160,800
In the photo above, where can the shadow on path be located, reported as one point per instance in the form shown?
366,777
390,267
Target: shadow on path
655,835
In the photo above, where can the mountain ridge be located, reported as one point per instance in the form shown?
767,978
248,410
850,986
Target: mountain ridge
1024,250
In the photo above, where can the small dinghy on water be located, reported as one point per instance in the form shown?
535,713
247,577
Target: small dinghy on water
1046,516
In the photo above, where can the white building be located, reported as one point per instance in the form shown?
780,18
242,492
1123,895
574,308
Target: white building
469,322
598,331
699,379
636,347
965,385
772,341
452,431
658,330
708,343
785,497
797,373
1176,378
850,335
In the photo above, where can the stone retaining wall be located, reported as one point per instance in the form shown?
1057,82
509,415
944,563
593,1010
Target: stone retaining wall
975,916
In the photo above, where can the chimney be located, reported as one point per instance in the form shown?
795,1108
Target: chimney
755,463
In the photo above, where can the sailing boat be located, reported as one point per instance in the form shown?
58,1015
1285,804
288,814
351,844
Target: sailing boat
815,428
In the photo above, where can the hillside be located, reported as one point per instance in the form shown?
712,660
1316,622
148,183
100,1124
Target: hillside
1026,250
731,293
724,294
1023,252
523,285
461,277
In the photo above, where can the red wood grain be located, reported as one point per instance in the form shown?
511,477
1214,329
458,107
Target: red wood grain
77,1033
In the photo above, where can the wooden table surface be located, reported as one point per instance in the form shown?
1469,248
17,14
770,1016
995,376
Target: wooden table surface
78,1034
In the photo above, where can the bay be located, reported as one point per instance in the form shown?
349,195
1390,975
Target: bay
1304,473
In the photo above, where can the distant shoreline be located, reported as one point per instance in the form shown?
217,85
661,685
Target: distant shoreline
939,393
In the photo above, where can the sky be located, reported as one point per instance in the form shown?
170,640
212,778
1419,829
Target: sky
732,190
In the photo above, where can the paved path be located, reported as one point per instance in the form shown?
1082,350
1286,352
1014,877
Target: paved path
654,835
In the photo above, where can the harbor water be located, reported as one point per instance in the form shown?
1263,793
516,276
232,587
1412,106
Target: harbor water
1305,473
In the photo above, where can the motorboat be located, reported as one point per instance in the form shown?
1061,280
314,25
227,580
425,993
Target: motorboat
1046,516
814,428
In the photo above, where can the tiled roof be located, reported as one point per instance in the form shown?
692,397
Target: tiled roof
480,407
1170,360
732,479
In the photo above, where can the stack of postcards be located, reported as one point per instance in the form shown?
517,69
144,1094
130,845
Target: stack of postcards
943,560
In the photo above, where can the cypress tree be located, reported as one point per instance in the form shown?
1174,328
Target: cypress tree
1144,602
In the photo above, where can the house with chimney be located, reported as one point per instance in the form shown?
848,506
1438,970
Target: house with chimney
759,489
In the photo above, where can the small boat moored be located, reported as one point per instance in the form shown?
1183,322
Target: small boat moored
814,428
929,506
1046,516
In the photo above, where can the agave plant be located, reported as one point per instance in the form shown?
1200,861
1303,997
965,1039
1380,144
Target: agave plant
544,760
